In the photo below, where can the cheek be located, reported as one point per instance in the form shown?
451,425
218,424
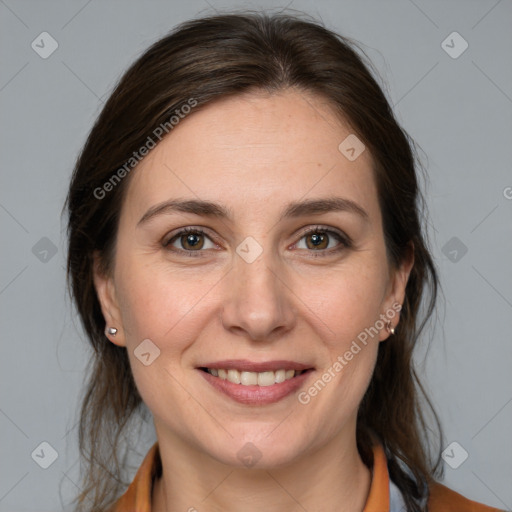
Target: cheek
346,301
156,300
346,306
169,309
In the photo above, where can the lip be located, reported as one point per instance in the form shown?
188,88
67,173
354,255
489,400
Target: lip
257,395
251,366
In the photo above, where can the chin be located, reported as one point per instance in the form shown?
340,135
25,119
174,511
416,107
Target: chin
257,452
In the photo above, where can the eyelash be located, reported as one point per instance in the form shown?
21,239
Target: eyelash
346,242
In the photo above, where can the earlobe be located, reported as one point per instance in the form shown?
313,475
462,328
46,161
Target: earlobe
105,291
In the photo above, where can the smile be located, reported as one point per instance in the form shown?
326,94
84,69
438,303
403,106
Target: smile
255,388
254,378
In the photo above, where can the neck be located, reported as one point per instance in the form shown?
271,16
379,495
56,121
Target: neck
333,478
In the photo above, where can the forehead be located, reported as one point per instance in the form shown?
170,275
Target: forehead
254,150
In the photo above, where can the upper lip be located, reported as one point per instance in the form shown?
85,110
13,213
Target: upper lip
250,366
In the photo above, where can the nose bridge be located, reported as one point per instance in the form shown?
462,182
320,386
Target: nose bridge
258,278
257,301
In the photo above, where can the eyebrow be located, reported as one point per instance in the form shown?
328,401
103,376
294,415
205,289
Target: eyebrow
292,210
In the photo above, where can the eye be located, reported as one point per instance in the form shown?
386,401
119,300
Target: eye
191,240
318,239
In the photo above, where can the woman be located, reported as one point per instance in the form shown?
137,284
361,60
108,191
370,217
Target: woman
247,259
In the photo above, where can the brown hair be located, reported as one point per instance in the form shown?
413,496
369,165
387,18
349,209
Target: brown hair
207,59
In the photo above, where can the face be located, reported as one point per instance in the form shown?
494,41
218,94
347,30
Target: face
264,283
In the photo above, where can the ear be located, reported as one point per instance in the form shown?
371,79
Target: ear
105,289
396,291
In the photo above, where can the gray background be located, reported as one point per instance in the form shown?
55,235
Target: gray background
458,109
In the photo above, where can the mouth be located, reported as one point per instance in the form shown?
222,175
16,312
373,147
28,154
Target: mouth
256,383
245,378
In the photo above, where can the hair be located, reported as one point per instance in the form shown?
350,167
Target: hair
216,57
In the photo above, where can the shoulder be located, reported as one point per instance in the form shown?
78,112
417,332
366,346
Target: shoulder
443,499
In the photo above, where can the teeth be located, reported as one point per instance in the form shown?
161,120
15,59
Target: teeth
267,378
280,376
253,378
246,378
234,376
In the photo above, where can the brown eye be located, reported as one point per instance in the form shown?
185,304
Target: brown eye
192,241
188,240
317,241
321,240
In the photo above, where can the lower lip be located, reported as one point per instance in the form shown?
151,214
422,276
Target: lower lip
257,395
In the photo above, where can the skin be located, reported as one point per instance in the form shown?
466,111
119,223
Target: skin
254,154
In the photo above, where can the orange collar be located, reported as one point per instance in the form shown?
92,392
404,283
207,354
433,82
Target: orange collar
138,495
441,499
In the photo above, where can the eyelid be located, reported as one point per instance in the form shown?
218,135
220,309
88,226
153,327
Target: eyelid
327,229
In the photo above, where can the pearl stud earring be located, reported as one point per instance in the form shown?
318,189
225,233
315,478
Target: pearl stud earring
111,330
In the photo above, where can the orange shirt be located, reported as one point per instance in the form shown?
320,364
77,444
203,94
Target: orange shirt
137,498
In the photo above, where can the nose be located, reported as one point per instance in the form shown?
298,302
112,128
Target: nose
258,301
